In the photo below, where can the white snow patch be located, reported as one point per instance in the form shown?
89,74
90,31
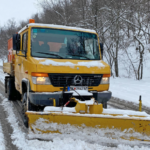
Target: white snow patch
2,76
59,109
88,135
57,27
2,140
125,112
130,89
88,64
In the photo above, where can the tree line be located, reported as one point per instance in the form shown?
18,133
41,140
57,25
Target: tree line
122,25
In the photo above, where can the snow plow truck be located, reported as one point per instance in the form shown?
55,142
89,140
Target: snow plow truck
58,74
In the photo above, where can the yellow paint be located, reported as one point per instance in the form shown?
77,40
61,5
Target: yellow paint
96,109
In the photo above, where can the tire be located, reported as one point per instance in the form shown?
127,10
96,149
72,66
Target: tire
9,96
24,109
104,105
12,93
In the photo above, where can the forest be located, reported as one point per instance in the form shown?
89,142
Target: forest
123,27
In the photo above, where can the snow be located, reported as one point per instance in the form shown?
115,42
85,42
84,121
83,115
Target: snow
2,140
67,109
125,112
87,64
130,89
59,109
2,76
88,135
57,27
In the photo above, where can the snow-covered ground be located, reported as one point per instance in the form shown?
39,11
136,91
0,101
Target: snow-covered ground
2,141
130,89
2,75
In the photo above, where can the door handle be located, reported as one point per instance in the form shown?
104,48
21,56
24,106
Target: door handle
19,64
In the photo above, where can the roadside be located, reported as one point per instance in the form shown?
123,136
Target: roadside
129,90
2,140
6,127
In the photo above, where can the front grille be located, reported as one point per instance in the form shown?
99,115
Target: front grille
60,80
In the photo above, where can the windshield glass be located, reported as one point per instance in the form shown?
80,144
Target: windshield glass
64,44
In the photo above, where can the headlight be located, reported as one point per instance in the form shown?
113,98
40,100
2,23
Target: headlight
105,79
40,78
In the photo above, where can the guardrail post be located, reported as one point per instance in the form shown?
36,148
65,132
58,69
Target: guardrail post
140,103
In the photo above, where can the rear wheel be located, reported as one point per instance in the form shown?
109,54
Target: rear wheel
12,93
26,106
9,96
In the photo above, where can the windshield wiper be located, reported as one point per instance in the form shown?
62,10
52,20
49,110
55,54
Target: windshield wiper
51,54
80,56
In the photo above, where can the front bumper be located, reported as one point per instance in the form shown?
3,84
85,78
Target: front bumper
45,99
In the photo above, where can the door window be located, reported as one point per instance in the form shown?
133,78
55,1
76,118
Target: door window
24,42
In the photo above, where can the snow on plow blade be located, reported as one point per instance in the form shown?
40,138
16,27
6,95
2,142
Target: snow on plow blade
46,123
116,124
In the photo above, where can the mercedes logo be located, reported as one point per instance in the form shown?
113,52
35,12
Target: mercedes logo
78,80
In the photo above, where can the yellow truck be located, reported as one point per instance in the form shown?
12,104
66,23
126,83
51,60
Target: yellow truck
49,61
59,75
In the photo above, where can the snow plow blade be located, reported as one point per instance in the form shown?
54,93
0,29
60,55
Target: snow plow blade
133,125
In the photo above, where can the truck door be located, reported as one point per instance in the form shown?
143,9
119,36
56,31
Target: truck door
19,69
23,71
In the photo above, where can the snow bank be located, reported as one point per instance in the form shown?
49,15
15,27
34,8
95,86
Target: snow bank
87,64
2,76
130,89
2,140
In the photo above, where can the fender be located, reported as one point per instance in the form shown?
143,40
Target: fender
26,81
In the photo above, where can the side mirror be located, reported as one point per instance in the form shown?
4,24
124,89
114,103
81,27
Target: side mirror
16,42
102,49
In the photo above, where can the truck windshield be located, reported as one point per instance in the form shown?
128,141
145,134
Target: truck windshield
64,44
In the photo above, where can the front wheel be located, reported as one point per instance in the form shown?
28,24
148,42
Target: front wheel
26,108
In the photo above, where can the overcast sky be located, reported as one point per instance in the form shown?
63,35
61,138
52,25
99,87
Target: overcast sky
17,9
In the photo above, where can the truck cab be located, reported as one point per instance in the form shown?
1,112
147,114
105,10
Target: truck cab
50,63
